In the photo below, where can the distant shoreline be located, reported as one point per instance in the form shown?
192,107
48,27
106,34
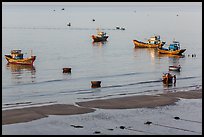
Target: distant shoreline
137,101
105,3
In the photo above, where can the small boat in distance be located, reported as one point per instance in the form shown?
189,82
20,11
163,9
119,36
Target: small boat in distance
117,27
175,68
69,24
152,42
16,57
173,49
101,36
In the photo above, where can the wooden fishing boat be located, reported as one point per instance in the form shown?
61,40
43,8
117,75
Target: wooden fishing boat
95,84
101,36
16,57
173,52
175,68
170,55
153,42
173,49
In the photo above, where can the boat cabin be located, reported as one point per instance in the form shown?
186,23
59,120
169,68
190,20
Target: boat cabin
154,40
101,34
16,54
174,46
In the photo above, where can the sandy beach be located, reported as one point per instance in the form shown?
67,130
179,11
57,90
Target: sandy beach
140,101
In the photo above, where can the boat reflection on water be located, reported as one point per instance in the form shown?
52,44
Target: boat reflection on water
168,86
22,73
151,51
140,52
99,44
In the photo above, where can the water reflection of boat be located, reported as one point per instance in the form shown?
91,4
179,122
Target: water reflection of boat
102,43
22,73
151,51
16,68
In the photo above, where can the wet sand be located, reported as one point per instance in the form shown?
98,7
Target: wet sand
33,113
139,101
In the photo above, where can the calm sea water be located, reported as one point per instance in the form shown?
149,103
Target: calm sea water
121,68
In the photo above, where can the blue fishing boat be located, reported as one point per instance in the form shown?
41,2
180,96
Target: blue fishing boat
173,49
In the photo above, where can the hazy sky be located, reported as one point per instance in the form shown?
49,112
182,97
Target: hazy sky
102,3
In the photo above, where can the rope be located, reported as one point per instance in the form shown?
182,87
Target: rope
175,128
177,118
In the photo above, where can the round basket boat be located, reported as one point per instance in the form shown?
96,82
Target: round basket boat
95,84
66,70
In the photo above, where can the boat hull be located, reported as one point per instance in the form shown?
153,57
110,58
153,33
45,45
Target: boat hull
25,61
139,44
99,39
176,52
174,68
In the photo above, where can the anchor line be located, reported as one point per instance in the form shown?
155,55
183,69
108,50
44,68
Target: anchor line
175,128
140,131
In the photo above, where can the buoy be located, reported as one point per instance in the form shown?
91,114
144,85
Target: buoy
97,132
93,20
95,84
69,24
66,70
176,118
122,127
148,122
117,27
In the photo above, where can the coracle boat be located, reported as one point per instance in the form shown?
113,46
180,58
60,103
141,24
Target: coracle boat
16,57
152,42
101,36
175,68
174,49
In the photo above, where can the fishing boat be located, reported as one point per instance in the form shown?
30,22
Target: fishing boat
173,49
101,36
16,57
152,42
117,27
175,68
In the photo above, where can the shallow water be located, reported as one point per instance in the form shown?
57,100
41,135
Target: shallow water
121,68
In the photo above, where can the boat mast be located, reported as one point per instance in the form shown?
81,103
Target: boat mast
31,52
